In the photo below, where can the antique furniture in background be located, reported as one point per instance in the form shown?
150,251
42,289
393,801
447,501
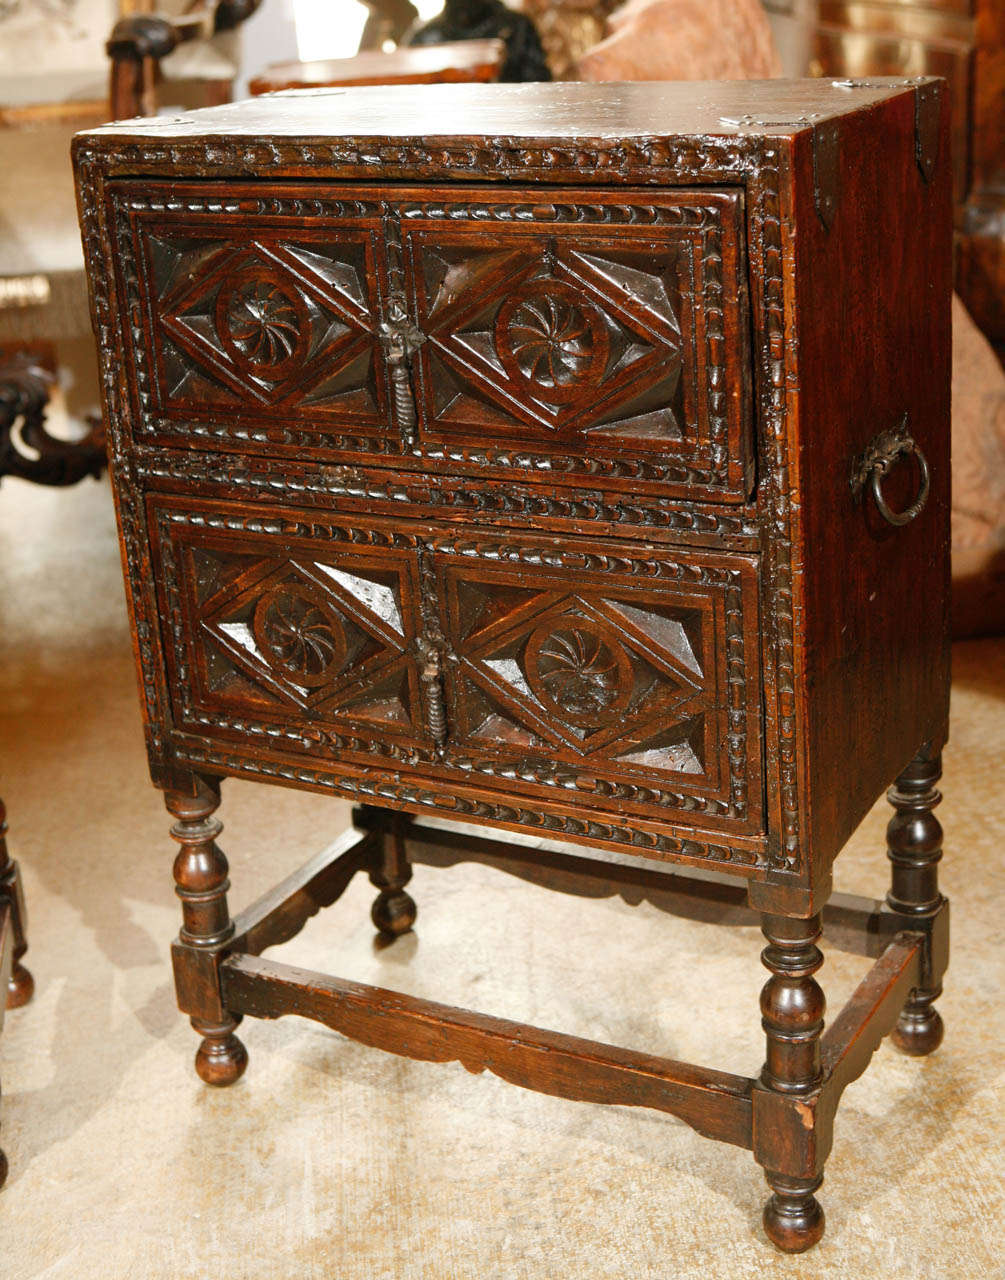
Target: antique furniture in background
27,449
963,40
43,295
140,42
460,471
488,20
459,62
684,40
44,320
567,28
387,24
16,983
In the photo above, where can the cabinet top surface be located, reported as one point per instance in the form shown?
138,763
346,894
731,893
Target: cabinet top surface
748,108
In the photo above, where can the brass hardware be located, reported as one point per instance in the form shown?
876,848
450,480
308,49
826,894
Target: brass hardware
877,460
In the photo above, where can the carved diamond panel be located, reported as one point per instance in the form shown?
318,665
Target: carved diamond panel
589,330
548,340
555,333
638,692
299,636
267,320
263,319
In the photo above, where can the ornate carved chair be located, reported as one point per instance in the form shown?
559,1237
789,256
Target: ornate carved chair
489,19
44,316
141,42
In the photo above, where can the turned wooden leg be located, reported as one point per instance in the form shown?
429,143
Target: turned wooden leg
914,847
3,1158
200,873
21,984
3,1168
393,911
792,1005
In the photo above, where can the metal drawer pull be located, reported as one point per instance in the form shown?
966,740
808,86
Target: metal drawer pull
400,339
878,459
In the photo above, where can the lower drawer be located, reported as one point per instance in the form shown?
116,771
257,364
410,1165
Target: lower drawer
479,671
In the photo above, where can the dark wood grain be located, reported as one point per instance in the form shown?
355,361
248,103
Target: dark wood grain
589,115
19,985
510,455
393,911
200,873
713,1102
914,847
6,965
7,943
16,983
852,923
874,631
792,1008
871,1013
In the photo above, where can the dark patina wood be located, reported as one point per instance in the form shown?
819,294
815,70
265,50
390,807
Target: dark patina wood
16,983
567,460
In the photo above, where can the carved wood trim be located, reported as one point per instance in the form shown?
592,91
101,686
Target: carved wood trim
754,162
719,792
715,460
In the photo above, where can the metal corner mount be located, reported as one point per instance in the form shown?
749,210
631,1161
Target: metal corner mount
826,170
927,111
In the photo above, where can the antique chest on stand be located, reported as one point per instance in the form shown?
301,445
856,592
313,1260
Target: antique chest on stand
566,459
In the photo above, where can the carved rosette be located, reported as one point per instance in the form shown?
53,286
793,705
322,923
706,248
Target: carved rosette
263,323
665,162
583,673
299,636
552,339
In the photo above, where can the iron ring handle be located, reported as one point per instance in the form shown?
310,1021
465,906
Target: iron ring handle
906,448
878,459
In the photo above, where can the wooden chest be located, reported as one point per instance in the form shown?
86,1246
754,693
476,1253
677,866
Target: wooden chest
566,459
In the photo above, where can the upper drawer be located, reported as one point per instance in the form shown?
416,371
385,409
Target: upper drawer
561,334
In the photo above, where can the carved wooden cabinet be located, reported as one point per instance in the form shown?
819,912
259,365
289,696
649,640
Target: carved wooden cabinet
564,459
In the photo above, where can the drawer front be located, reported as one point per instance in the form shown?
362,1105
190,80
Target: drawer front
582,679
280,638
585,329
248,324
631,684
528,334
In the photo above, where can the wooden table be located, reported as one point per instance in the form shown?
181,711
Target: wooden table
454,62
570,460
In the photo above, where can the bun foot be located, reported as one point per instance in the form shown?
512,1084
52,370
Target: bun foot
393,912
919,1029
221,1058
21,987
793,1218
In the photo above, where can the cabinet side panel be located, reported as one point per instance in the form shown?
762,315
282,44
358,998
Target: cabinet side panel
109,324
873,315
